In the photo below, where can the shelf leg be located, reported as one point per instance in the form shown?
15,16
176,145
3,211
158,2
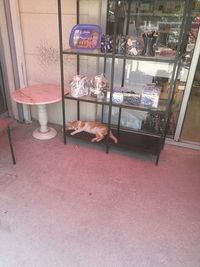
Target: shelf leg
157,158
159,150
78,110
65,138
107,144
119,120
11,146
163,142
102,113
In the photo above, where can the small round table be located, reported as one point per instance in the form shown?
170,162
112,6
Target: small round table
39,95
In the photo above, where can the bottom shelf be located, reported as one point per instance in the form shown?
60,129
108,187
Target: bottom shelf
140,142
129,140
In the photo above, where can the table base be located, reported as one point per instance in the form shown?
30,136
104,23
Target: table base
51,133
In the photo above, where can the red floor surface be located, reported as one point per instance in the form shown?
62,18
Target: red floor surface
74,205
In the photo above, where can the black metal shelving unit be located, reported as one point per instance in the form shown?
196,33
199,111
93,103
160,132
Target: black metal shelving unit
143,140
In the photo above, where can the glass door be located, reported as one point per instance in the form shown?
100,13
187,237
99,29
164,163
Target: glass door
188,124
191,124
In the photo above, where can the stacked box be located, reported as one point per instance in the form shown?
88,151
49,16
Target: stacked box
150,95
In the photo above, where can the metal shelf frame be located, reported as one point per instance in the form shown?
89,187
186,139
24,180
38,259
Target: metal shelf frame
155,141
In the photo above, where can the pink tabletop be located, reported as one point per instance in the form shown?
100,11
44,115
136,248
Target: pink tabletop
38,94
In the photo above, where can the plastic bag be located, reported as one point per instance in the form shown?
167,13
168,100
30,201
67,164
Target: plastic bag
79,86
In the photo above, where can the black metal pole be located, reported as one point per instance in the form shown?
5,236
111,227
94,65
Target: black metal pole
105,59
124,64
112,75
102,113
119,120
77,21
78,56
78,110
61,67
11,146
127,31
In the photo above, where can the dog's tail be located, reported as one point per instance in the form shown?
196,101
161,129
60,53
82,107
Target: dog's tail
113,137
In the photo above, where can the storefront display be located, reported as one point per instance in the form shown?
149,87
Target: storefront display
143,46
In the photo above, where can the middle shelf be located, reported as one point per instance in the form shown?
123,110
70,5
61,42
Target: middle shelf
98,53
162,106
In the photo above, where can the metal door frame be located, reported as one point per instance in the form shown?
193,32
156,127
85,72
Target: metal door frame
2,84
12,57
188,89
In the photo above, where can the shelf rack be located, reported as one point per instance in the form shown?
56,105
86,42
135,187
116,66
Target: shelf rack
134,139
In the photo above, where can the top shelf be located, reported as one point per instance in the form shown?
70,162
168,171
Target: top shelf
98,53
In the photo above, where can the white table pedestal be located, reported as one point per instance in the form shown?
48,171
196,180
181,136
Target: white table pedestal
43,132
40,95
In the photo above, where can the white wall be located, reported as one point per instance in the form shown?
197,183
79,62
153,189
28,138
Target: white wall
39,24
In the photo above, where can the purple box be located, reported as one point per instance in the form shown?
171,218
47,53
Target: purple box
85,36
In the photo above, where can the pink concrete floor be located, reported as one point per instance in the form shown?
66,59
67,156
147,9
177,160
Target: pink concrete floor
75,206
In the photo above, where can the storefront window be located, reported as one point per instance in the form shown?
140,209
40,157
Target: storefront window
191,125
185,66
